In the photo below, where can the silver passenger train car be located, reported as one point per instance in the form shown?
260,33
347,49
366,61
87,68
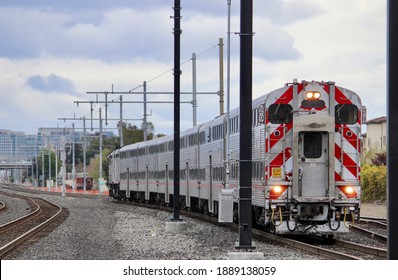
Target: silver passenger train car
305,162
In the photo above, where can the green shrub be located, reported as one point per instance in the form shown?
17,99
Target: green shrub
374,183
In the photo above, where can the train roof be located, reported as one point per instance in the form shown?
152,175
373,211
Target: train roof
277,93
149,142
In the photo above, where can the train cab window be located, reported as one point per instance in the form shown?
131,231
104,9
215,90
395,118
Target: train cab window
346,114
312,145
280,113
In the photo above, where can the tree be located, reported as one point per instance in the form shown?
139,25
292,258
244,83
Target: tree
374,176
46,164
132,134
379,159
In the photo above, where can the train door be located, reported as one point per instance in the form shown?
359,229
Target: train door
128,183
166,196
187,198
313,164
210,205
147,183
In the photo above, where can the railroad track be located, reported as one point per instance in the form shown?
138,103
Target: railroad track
367,252
370,233
13,234
341,250
380,221
373,228
350,251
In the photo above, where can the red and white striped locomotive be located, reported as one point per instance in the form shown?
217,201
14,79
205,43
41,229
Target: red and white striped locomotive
305,162
312,157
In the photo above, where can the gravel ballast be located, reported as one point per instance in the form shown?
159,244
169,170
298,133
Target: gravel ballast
15,207
99,229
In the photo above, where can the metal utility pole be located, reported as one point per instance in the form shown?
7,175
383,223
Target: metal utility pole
228,90
73,158
84,154
194,100
145,93
42,165
177,74
49,167
63,168
80,119
121,122
144,123
56,166
145,102
84,148
245,145
392,124
37,165
100,144
221,50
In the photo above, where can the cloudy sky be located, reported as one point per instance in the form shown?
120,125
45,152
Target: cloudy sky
53,52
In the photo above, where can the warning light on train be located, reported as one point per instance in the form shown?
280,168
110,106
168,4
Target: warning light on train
276,191
348,191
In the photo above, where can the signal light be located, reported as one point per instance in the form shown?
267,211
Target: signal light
348,191
276,191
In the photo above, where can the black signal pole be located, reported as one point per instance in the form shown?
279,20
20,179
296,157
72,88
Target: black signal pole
177,73
245,146
392,129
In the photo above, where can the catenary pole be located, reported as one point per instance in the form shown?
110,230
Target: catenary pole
228,87
245,145
121,122
177,74
194,101
100,144
392,126
221,73
84,154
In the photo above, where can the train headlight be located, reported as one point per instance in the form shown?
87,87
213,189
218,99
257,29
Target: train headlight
276,191
312,95
348,191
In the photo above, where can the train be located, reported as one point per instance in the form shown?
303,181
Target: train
306,152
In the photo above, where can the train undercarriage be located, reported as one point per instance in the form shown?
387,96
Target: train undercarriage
295,218
196,204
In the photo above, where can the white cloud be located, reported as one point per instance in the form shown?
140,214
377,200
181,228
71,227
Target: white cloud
340,40
347,45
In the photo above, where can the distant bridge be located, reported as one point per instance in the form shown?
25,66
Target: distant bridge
15,165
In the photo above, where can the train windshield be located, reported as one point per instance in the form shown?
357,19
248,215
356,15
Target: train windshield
346,114
280,113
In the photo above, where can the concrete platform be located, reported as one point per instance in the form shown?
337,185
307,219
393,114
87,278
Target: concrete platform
374,209
245,256
176,226
245,253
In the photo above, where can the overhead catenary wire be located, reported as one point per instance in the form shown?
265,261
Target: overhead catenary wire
159,75
115,100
